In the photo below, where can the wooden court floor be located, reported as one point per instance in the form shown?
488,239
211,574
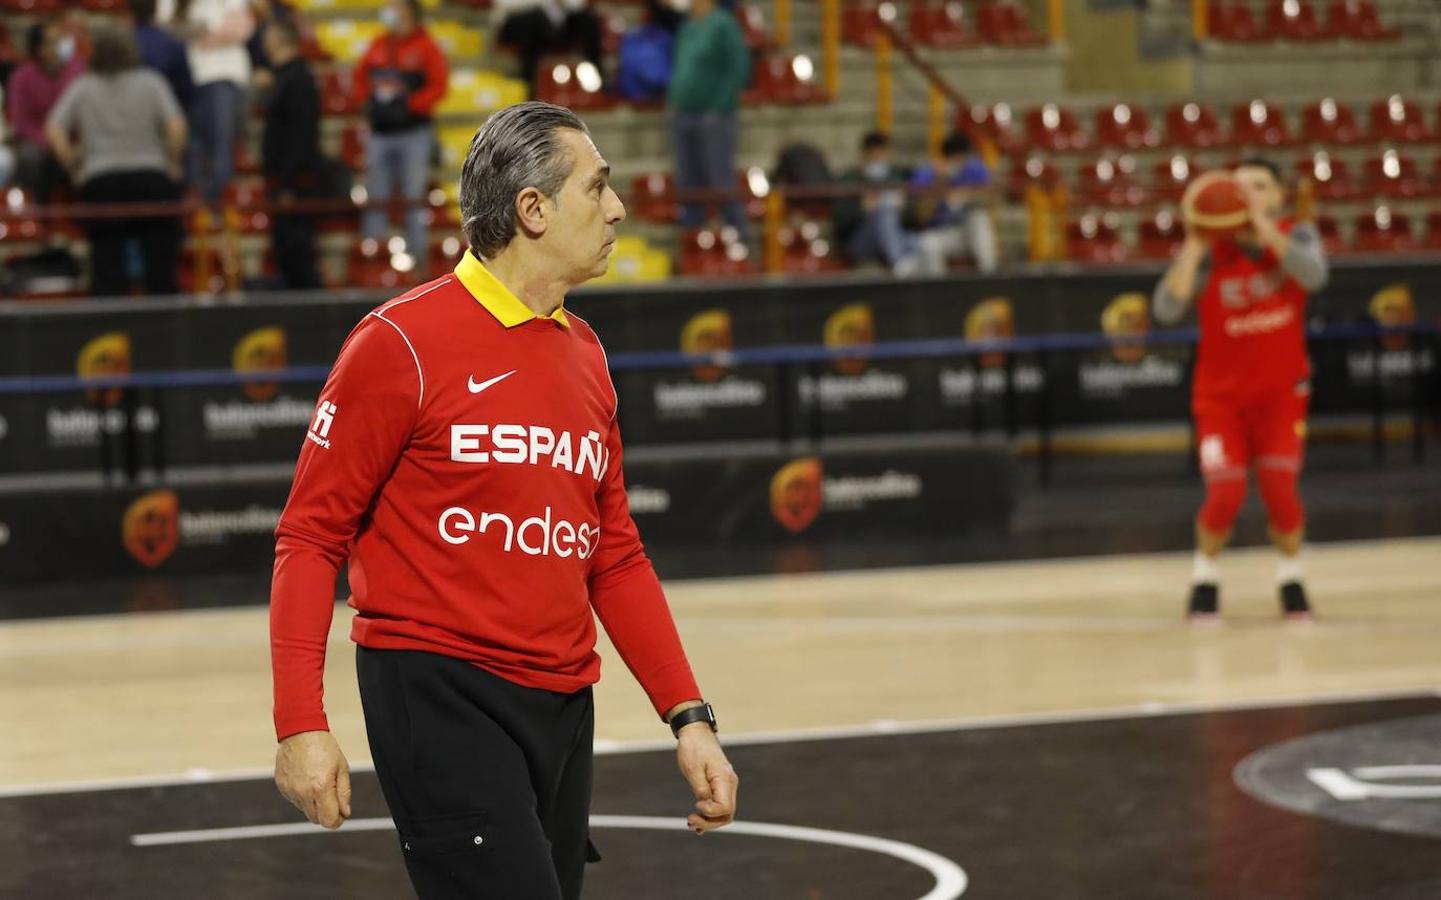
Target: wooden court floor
169,694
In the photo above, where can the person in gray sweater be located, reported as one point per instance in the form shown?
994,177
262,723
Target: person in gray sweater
120,133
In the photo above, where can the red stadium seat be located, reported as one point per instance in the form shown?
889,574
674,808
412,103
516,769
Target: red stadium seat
1123,125
996,124
1111,182
1161,236
1393,175
1232,22
753,22
1330,231
1329,174
1004,24
1397,119
103,6
17,222
335,93
1329,122
941,25
1357,20
246,162
1433,230
352,147
652,197
1293,20
1055,128
248,197
370,266
787,80
860,24
1259,123
1095,239
1192,125
1172,175
1034,169
572,84
804,251
1383,231
710,253
34,7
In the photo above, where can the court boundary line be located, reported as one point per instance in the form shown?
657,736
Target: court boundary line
950,878
875,728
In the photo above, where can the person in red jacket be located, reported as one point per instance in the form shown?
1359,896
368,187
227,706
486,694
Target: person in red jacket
399,81
466,460
1251,385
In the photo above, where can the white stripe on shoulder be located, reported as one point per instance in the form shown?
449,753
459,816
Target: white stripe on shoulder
615,408
413,355
380,312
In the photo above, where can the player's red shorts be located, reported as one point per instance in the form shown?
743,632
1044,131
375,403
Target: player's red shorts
1268,432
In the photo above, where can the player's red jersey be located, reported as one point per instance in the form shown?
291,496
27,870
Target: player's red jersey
1253,327
465,458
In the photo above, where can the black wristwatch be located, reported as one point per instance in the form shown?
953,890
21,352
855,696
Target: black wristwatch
702,713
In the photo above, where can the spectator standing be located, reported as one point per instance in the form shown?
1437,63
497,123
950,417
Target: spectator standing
956,223
869,225
533,28
162,51
399,81
217,32
34,88
120,132
265,12
712,66
290,153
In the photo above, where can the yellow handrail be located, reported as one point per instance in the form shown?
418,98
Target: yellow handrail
1056,20
783,23
831,47
1201,19
935,120
885,111
774,219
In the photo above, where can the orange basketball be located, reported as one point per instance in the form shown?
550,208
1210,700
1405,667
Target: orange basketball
1215,205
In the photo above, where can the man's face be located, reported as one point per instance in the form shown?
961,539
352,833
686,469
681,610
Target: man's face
878,154
1257,181
405,22
277,48
583,215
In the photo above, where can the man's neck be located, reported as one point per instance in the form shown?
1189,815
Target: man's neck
540,290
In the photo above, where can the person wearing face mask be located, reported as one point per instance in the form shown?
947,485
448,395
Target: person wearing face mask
32,93
217,31
399,81
868,225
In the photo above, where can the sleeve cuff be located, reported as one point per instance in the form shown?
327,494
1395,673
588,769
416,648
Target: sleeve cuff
285,726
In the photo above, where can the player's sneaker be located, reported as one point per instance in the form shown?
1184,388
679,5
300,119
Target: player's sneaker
1205,604
1294,606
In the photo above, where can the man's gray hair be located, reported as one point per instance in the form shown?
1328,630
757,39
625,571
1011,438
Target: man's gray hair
517,147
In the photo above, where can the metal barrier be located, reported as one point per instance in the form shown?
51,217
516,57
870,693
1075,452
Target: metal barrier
138,389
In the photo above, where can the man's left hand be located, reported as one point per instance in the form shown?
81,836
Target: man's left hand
711,778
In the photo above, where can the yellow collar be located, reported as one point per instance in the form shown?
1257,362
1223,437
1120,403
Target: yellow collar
496,297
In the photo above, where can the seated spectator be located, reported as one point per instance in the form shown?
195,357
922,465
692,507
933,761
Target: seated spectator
868,226
534,28
32,92
712,67
956,223
163,52
216,32
290,154
120,133
399,82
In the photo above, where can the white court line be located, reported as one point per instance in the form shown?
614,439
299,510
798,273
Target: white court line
876,728
950,878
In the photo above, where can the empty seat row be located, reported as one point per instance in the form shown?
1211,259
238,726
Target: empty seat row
1296,21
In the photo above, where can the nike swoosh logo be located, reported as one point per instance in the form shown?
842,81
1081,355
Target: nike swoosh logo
477,388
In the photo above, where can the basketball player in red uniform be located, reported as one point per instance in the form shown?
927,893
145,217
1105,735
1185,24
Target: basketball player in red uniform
1251,384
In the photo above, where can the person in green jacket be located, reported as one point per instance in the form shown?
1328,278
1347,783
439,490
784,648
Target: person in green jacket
711,67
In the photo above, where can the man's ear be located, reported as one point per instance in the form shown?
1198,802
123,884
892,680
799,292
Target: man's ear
530,211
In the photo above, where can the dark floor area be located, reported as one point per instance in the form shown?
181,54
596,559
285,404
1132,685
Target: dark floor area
1140,808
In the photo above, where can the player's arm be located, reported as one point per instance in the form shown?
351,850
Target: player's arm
1181,282
1299,250
366,414
627,597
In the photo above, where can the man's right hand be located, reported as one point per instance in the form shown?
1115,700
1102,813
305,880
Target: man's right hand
313,775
